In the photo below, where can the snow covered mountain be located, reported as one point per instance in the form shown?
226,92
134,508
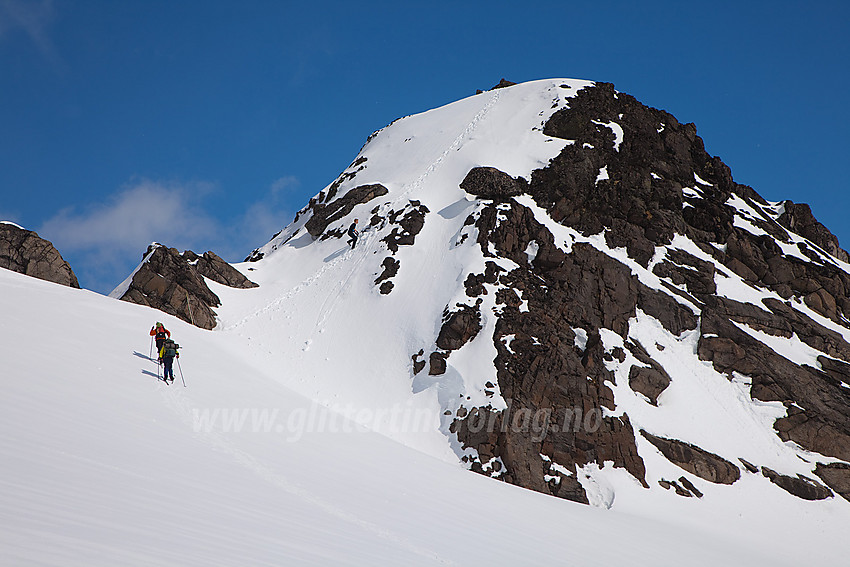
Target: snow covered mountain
554,286
589,296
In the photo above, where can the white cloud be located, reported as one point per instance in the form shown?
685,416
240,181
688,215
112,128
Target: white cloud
133,218
104,241
34,18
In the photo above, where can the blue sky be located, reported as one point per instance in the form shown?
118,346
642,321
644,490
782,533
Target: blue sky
207,124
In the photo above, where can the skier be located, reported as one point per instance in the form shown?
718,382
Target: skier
353,233
160,333
166,355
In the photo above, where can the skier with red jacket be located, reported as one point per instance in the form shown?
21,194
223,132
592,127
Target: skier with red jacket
160,333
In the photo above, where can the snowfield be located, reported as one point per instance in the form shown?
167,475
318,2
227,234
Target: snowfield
303,436
105,465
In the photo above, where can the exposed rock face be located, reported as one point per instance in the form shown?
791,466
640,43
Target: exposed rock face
211,266
799,486
641,210
490,183
686,488
23,251
798,218
700,462
837,477
650,381
460,327
632,230
390,269
173,283
325,214
408,222
817,404
637,177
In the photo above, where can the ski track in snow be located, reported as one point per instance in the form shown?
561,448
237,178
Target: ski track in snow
332,299
365,244
336,295
458,141
292,292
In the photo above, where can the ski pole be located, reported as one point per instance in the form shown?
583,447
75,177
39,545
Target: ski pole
150,353
180,368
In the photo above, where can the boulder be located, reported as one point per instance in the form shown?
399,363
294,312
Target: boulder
459,328
490,183
649,381
408,222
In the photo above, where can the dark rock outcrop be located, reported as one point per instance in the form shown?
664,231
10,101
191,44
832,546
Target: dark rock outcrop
686,488
325,214
699,462
800,486
211,266
406,222
501,84
25,252
543,374
390,266
437,363
490,183
659,182
818,406
689,486
174,284
836,476
798,218
647,171
649,381
459,328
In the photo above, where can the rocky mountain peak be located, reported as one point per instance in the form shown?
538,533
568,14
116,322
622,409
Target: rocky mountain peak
605,296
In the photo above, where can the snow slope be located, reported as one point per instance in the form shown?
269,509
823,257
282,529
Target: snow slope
104,465
319,299
303,436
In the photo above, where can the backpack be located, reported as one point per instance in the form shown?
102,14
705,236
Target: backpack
169,348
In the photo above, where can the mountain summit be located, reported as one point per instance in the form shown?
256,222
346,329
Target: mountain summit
583,292
553,285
